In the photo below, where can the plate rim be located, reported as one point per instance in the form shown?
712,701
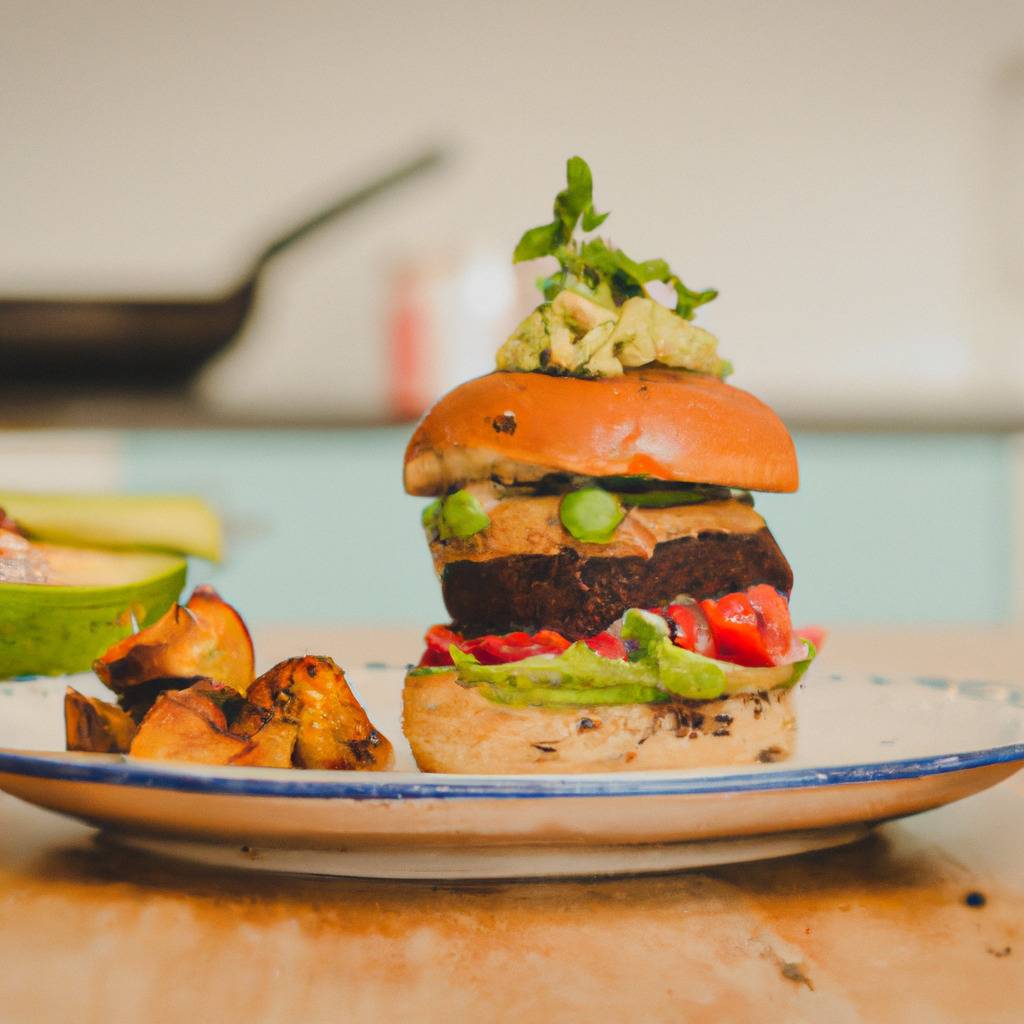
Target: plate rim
121,771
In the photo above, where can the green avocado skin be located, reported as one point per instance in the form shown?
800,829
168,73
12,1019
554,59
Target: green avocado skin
55,630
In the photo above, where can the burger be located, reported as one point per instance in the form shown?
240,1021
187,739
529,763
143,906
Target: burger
616,601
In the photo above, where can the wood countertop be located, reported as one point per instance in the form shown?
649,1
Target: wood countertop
923,921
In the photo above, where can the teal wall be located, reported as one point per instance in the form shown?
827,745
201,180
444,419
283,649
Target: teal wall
885,528
899,528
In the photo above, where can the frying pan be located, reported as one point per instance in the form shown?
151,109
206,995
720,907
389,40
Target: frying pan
152,342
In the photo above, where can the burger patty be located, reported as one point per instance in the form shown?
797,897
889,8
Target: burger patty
579,595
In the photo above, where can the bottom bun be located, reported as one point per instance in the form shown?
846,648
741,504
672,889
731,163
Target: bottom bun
452,728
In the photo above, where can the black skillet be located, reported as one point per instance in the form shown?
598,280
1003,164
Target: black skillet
150,342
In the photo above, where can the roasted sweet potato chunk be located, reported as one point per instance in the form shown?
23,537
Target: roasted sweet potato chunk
211,723
204,639
96,726
333,729
270,746
187,681
189,725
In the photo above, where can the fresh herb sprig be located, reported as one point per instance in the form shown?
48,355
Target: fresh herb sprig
603,269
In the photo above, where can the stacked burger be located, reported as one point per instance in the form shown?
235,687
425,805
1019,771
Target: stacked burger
616,600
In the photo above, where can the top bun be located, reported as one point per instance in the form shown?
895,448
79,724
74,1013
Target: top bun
666,424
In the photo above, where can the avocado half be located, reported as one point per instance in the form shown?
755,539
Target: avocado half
102,581
52,629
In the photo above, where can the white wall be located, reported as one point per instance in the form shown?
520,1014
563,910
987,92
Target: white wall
848,174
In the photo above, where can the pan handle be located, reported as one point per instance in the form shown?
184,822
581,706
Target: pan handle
426,160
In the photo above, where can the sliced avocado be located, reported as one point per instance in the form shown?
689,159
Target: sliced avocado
645,629
177,523
86,605
678,671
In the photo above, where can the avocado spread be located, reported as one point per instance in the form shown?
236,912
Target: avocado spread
599,317
656,671
577,336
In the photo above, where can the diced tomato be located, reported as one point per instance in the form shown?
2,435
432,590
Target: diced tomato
489,650
608,646
751,628
816,635
773,620
499,650
552,640
734,624
438,640
692,630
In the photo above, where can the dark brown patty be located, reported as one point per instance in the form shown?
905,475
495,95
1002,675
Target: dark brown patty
580,596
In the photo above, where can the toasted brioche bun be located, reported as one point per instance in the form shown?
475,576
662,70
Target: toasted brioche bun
666,424
452,728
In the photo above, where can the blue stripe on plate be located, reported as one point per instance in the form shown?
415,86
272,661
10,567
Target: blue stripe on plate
367,786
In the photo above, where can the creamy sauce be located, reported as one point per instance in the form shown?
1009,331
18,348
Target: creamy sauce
532,526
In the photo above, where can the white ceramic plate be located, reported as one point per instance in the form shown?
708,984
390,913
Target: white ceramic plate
870,748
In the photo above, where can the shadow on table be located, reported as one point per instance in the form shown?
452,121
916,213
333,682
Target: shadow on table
888,864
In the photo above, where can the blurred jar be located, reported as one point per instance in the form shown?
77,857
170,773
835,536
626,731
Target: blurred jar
449,316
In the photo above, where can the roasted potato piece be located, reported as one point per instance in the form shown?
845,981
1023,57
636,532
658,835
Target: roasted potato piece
204,639
300,714
270,746
333,729
195,724
190,725
95,725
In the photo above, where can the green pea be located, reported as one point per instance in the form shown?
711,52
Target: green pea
462,515
591,514
432,515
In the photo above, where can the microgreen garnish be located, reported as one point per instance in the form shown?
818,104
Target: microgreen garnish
593,265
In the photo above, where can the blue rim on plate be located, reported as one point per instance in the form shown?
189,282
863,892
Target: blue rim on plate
411,786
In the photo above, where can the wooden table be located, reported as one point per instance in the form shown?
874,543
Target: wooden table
924,921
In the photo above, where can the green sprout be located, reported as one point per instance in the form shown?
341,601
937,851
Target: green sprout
592,265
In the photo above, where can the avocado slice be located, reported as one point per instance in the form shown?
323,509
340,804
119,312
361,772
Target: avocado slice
180,524
85,605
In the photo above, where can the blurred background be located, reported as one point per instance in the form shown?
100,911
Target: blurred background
850,176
